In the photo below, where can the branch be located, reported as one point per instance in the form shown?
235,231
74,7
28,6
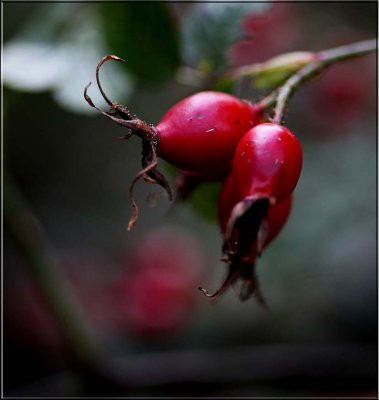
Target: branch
322,60
29,235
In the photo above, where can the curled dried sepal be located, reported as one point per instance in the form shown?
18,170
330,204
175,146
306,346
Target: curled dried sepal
150,175
231,277
244,239
243,271
122,116
250,285
245,226
100,63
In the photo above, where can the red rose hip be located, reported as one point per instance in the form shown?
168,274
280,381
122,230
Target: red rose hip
266,167
243,266
203,130
199,132
267,163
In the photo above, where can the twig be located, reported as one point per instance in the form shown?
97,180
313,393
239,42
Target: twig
31,239
322,60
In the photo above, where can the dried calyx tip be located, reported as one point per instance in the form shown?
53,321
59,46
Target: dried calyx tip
207,294
100,63
122,116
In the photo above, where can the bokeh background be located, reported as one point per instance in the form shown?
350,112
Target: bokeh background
117,312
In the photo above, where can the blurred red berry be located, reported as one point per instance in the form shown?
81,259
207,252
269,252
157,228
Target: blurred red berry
268,34
158,294
341,95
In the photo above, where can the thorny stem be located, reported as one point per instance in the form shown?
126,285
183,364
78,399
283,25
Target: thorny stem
322,60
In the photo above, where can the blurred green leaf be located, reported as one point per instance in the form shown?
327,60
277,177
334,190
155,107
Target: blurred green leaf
144,34
47,22
204,201
204,198
276,70
226,85
61,45
210,28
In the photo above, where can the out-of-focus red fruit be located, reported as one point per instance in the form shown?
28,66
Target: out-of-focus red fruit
168,249
155,303
159,293
268,34
342,94
201,131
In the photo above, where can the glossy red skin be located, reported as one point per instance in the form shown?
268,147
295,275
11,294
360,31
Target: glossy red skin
276,217
267,163
203,130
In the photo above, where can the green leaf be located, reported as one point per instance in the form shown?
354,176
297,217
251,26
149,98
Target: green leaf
275,71
144,34
47,22
209,29
226,85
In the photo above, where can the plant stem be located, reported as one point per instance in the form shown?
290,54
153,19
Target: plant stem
96,374
347,52
29,235
322,60
289,87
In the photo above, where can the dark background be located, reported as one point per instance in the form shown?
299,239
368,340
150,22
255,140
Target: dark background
319,276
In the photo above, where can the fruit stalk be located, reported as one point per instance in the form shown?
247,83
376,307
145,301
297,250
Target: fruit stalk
322,60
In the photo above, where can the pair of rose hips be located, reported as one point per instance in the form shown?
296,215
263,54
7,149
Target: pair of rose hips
214,134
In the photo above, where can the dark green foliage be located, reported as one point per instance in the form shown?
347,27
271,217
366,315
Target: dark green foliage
144,35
